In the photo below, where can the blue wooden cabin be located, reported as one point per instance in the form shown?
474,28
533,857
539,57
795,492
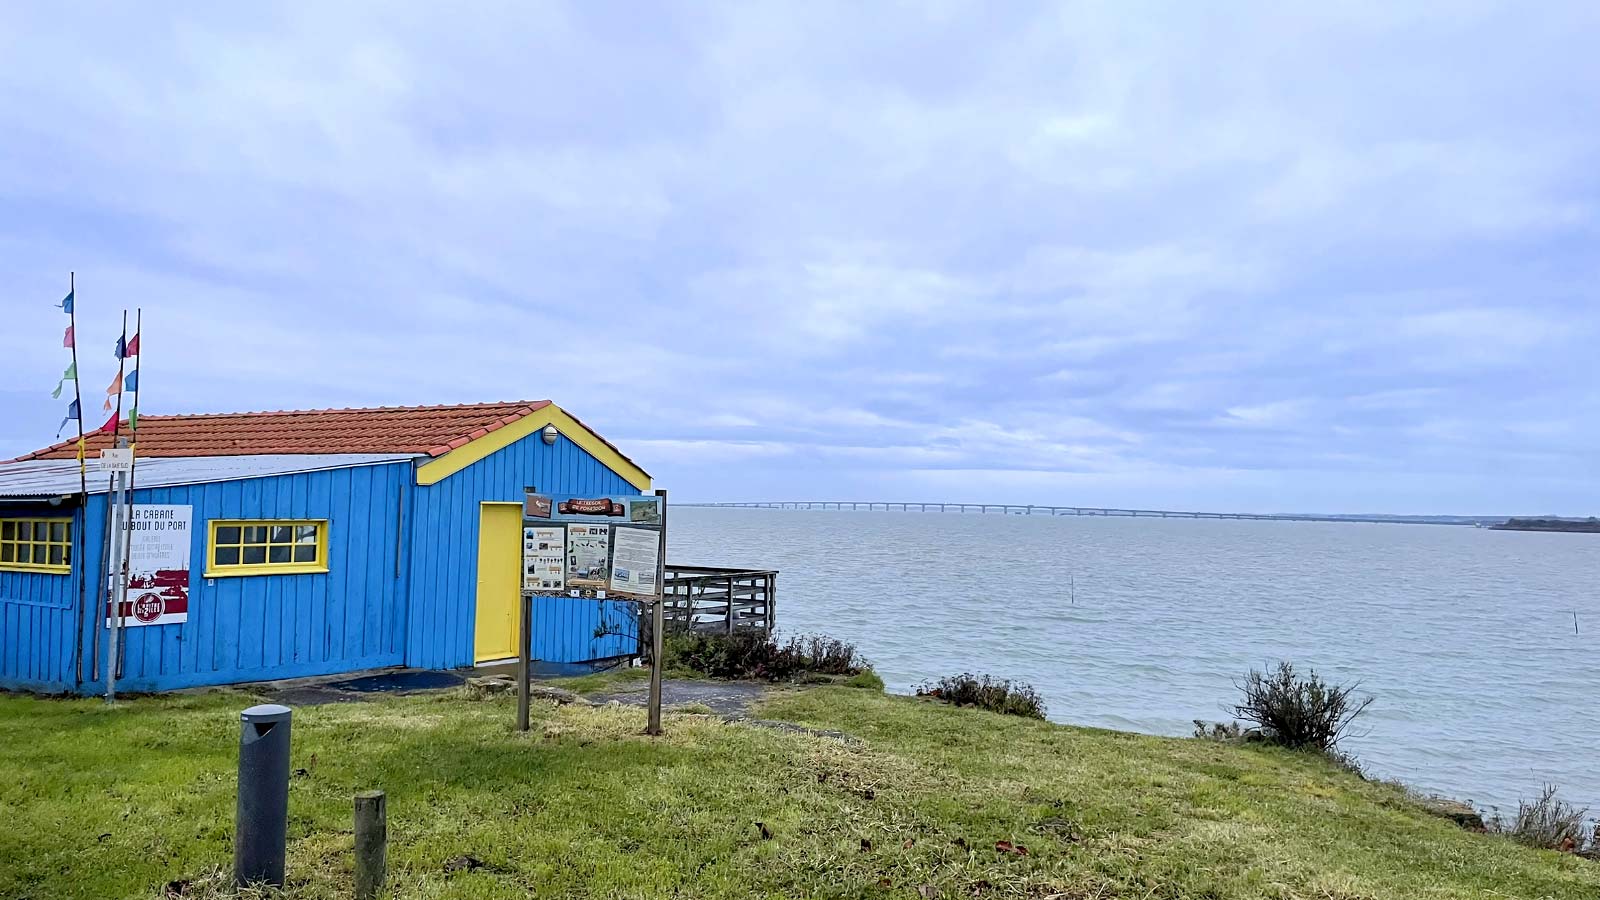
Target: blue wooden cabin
320,542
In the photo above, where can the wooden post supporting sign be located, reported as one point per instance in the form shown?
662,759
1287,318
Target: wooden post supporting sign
657,625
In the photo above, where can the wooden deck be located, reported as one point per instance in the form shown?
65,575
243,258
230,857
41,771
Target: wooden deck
715,599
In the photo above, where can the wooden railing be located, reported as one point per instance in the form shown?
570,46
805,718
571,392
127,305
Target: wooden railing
713,599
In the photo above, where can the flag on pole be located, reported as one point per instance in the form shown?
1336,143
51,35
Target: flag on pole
81,448
132,384
72,413
133,346
122,346
66,303
71,374
110,426
133,419
66,339
116,385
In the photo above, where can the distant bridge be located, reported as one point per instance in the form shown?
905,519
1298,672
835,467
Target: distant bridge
1032,510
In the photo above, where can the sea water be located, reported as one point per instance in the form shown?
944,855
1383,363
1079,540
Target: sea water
1482,647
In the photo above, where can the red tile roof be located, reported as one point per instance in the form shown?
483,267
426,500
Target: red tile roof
431,430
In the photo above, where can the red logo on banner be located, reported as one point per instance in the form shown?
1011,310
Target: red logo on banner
149,607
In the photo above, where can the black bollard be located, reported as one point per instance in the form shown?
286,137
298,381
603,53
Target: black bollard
372,843
262,819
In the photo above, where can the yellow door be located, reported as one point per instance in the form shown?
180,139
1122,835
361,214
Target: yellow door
499,573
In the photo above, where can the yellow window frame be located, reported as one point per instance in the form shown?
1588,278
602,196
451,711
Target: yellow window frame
11,531
226,570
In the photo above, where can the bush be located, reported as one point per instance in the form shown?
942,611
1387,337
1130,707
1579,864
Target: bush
829,656
1225,732
1013,698
762,657
1550,823
1301,713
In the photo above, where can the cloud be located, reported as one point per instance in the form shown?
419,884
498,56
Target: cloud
1160,259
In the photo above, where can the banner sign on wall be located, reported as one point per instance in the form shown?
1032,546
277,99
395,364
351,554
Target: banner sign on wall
158,566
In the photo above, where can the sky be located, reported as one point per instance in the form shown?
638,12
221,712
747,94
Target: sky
1258,257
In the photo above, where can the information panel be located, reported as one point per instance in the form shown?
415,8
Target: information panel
544,557
592,546
634,556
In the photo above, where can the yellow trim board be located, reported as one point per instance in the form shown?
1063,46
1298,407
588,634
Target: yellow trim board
26,544
437,470
312,568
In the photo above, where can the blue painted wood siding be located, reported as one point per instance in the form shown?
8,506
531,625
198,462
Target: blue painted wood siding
256,627
444,550
241,628
573,629
38,614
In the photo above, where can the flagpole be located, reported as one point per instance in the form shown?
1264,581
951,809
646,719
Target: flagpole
133,444
113,532
122,365
82,543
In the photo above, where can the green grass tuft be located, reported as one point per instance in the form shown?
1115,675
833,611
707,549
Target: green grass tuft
866,678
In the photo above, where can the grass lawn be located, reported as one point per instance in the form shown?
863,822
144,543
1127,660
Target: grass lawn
104,803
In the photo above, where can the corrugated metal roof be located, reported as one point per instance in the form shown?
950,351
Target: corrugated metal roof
40,478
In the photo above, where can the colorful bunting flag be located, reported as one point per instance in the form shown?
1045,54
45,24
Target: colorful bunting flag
66,340
133,346
116,385
72,413
71,374
110,426
132,384
66,303
122,346
133,419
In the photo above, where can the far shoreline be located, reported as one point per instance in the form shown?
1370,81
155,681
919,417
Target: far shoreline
1576,526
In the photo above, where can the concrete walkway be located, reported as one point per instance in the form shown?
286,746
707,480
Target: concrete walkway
732,700
729,699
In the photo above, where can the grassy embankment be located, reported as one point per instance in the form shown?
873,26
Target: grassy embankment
117,802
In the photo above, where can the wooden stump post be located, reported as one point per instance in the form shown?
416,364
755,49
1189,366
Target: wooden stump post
524,658
372,843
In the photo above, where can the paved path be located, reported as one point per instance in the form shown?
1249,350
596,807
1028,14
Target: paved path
729,699
732,700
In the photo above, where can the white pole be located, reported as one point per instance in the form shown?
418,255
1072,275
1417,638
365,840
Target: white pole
118,587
